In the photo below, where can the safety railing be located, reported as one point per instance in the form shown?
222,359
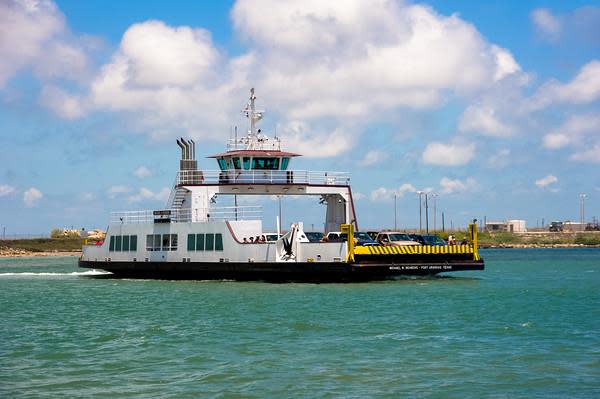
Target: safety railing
195,177
247,212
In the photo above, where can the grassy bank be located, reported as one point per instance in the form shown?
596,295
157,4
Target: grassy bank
44,244
527,239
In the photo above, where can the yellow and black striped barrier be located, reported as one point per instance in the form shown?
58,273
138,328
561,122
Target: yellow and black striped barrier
414,250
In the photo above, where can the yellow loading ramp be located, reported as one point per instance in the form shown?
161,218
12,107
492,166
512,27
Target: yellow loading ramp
376,250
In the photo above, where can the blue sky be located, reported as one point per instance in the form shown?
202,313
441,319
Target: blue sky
493,106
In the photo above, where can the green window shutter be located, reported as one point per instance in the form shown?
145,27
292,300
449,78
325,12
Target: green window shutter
191,246
118,243
133,243
218,242
210,242
200,242
111,246
125,243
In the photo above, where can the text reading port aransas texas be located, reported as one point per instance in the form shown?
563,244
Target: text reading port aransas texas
262,198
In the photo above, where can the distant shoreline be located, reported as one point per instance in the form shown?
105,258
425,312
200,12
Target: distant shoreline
29,254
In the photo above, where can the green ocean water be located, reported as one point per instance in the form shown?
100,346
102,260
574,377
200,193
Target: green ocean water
526,327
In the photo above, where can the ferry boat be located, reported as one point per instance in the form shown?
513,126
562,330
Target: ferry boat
193,238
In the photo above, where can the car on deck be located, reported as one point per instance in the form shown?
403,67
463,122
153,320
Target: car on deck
395,239
427,239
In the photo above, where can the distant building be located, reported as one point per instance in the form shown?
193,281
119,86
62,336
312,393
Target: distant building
512,226
516,226
573,226
493,227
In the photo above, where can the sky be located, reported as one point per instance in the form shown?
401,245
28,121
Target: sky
491,107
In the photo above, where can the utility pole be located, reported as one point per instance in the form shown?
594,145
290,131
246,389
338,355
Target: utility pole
395,213
434,195
582,211
279,198
420,212
426,214
443,225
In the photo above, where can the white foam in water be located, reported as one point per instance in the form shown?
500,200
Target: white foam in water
46,274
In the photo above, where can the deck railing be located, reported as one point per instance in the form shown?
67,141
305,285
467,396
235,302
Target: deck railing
223,213
195,177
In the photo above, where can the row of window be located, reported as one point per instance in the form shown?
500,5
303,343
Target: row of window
164,242
167,242
122,243
205,242
256,163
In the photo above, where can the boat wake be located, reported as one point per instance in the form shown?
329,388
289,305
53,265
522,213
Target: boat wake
50,274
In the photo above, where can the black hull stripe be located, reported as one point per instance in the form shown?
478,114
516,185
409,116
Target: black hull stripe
311,271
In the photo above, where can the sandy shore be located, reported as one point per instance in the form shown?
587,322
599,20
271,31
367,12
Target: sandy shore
19,253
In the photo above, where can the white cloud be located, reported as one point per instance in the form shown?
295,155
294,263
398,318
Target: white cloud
142,172
500,159
545,181
34,36
5,190
146,194
62,103
437,153
583,89
87,196
299,137
387,55
372,157
546,23
114,191
590,155
483,119
386,194
31,196
573,131
450,186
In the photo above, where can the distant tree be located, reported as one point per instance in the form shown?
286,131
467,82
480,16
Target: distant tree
57,233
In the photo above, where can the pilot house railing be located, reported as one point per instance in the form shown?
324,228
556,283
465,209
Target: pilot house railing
196,177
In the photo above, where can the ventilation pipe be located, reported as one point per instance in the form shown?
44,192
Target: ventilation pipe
182,149
193,149
187,149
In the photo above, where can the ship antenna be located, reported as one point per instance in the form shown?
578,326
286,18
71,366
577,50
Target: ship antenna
252,114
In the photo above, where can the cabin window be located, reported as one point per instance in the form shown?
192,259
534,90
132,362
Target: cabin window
236,163
156,245
222,164
265,163
284,163
174,242
191,243
123,243
246,162
199,242
153,242
210,242
166,242
218,242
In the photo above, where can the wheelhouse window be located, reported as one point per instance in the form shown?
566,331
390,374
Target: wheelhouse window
199,242
284,163
125,243
265,163
235,161
246,163
222,164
